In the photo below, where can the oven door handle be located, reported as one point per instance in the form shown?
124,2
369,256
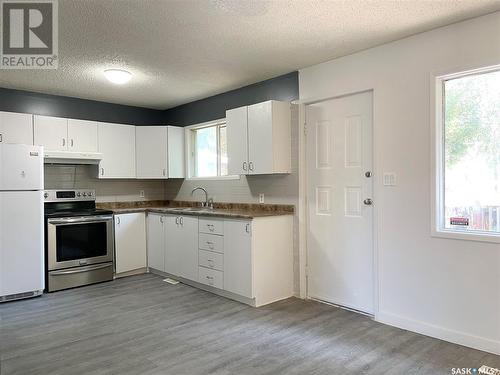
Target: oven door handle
81,269
82,219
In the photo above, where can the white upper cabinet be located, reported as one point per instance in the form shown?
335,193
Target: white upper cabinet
61,134
16,128
259,138
117,144
237,140
160,152
82,136
51,132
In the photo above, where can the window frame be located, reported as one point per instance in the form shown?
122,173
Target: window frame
437,107
191,151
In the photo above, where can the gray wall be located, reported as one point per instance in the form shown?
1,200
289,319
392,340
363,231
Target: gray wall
284,88
62,106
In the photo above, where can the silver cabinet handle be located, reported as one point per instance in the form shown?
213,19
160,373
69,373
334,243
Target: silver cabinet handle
102,171
71,142
1,137
118,220
210,245
244,165
247,228
210,263
177,220
161,219
81,220
64,142
210,227
181,220
250,166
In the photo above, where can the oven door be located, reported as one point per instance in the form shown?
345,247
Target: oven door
79,241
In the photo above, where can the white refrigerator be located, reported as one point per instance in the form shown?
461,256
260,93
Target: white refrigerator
21,221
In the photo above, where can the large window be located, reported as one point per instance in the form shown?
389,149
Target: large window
469,153
208,150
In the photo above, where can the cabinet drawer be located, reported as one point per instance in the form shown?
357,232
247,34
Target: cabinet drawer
212,226
210,277
211,242
211,260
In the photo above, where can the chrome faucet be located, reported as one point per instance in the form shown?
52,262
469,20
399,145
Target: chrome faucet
208,202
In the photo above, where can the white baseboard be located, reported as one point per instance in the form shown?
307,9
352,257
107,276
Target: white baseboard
456,337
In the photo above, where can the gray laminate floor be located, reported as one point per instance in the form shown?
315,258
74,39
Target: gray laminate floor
141,325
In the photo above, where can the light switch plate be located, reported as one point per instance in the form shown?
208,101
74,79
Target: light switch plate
261,198
390,179
141,193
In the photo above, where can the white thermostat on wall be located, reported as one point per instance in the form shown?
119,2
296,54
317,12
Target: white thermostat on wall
389,179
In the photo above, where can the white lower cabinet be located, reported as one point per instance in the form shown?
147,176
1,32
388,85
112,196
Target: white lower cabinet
156,242
238,257
130,242
248,260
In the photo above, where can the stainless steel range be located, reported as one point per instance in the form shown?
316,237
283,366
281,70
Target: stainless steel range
79,240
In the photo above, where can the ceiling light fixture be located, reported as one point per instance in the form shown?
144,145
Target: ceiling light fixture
118,76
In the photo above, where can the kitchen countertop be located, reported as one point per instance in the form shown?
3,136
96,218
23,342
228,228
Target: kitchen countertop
229,210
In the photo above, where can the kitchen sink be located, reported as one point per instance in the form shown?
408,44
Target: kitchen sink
192,209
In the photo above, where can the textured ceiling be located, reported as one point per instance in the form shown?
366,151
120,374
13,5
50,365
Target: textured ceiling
183,50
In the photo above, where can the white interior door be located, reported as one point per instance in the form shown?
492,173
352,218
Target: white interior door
340,217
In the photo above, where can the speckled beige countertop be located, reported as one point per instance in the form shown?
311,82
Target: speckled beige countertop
230,210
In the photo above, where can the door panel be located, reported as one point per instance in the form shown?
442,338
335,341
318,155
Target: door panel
340,233
51,132
188,240
238,257
260,138
151,145
156,242
16,128
21,242
82,136
117,143
237,140
21,167
130,237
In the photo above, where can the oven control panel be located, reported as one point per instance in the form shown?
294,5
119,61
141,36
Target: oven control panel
69,195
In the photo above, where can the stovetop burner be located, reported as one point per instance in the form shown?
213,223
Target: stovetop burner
67,203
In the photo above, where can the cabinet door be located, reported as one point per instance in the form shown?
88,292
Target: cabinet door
237,141
260,138
151,151
16,128
176,156
82,136
188,266
156,242
238,257
117,144
173,244
130,242
51,132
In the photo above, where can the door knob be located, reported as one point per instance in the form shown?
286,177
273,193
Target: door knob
368,174
368,202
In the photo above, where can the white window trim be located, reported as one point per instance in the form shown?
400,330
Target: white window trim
437,158
190,155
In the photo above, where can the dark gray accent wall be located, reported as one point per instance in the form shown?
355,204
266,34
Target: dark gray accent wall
62,106
285,88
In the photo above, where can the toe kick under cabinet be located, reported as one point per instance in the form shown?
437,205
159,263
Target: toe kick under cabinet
249,260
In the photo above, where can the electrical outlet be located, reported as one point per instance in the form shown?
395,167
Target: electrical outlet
261,198
141,193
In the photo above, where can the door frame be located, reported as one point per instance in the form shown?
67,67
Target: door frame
303,209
